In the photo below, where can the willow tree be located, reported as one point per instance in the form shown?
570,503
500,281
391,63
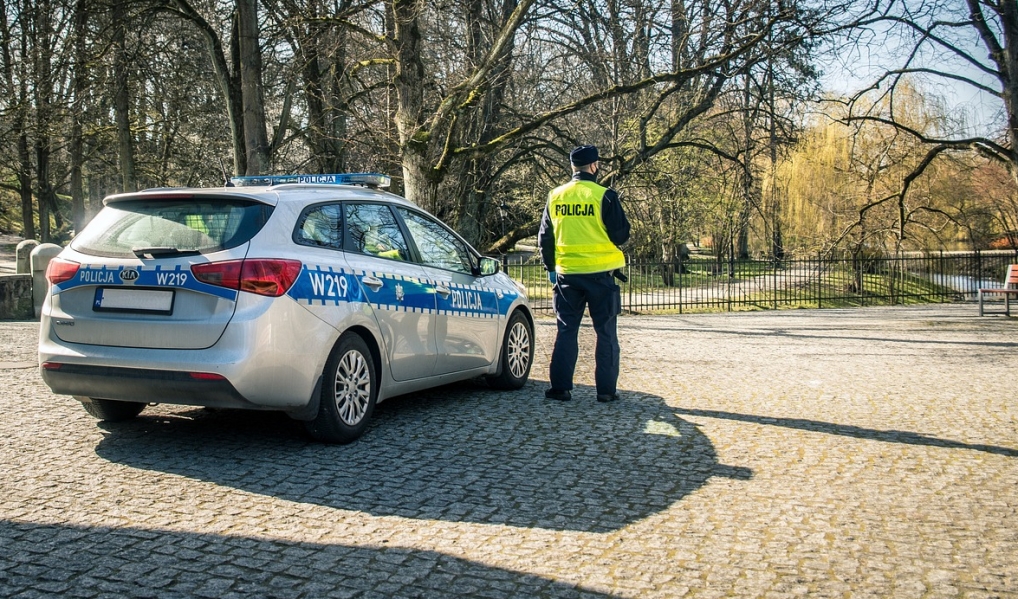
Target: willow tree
845,177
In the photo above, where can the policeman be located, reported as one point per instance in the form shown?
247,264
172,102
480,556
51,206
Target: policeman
581,228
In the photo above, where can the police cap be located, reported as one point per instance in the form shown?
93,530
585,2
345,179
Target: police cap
583,155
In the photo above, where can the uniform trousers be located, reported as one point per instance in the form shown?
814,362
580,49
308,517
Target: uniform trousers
599,293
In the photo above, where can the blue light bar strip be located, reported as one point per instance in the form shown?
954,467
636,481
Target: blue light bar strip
364,179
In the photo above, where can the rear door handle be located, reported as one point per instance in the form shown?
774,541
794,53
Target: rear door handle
373,282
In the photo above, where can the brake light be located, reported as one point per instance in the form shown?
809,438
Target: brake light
263,276
220,274
59,270
206,376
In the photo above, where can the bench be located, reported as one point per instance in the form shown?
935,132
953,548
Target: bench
1010,288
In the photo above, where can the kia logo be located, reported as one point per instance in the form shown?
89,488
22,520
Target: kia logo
128,274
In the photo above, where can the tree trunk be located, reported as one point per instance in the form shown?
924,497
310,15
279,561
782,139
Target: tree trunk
322,92
255,136
18,124
122,98
229,83
749,182
666,229
76,143
42,54
42,155
408,84
25,181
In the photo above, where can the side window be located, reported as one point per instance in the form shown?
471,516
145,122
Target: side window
321,226
372,229
439,247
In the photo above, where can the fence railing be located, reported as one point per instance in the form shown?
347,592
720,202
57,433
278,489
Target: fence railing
704,284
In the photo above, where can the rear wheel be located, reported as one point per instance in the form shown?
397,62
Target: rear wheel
517,354
109,410
349,392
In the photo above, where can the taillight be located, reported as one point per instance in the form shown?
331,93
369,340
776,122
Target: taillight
206,376
220,274
59,270
263,276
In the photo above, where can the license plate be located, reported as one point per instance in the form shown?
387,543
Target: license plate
154,301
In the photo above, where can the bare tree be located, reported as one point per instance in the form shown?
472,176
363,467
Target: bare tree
16,103
972,44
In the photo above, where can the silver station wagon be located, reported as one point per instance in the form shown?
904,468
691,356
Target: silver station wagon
315,295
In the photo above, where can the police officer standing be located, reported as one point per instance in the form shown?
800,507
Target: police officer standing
581,228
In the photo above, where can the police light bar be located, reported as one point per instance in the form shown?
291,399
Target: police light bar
363,179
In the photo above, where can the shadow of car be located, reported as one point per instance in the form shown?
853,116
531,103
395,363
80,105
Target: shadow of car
453,454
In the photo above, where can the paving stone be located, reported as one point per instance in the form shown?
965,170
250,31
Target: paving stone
862,453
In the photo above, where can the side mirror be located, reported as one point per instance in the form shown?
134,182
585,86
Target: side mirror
489,266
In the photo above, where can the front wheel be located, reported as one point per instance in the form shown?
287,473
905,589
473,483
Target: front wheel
109,410
517,354
349,392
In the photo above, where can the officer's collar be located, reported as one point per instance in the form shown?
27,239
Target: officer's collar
584,176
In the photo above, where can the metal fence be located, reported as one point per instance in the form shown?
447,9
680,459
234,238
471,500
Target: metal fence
705,284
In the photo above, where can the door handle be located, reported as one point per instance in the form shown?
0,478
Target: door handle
373,282
442,290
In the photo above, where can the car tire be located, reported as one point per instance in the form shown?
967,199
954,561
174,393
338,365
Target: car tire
349,392
517,354
109,410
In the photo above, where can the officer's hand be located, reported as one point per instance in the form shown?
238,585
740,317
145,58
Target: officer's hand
552,277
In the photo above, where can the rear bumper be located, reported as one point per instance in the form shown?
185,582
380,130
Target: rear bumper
156,386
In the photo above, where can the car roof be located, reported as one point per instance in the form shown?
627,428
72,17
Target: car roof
270,195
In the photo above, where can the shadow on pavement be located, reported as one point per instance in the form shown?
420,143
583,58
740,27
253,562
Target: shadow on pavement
459,453
856,432
56,560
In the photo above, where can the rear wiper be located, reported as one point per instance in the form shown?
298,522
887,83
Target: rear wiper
159,252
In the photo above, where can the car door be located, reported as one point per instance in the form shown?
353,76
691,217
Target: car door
379,258
467,319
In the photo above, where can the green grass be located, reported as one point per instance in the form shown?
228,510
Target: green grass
837,288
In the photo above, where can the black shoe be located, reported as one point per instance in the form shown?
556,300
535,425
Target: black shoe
605,398
558,395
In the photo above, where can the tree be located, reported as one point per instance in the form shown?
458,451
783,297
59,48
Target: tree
434,143
972,44
17,105
844,181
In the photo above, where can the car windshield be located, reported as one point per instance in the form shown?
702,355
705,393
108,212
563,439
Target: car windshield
167,227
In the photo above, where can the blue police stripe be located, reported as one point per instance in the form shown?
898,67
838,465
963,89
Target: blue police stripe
326,287
177,278
316,286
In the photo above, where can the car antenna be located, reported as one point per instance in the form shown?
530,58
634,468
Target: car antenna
226,178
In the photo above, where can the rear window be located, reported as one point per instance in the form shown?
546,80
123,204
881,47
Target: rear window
166,227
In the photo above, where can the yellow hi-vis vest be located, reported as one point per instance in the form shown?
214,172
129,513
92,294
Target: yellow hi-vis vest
581,240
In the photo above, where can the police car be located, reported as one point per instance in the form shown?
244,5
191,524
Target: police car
315,295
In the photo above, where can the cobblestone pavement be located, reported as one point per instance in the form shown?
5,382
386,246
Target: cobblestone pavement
865,453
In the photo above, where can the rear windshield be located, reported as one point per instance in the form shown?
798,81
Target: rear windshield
168,227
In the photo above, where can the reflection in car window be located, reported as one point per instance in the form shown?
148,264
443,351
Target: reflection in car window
372,229
438,246
320,226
